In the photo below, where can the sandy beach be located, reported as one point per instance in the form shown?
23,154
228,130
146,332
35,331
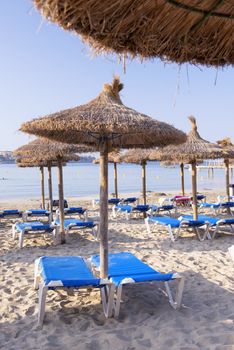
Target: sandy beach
146,321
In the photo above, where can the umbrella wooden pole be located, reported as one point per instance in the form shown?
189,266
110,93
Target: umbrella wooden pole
194,190
50,189
61,201
143,164
226,162
42,187
116,179
182,178
103,227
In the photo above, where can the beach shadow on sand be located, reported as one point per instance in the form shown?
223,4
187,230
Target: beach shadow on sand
205,321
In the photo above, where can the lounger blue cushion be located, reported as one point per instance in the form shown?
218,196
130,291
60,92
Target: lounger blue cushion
125,265
113,200
129,200
141,207
9,212
32,226
162,207
75,222
211,220
72,271
227,204
73,210
175,223
125,208
130,208
37,212
200,197
210,205
165,220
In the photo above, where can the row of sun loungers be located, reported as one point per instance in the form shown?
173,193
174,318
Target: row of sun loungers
56,272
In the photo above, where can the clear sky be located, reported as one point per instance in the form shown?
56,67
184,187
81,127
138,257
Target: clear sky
44,69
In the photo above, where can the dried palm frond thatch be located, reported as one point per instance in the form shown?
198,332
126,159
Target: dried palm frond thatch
136,156
195,148
106,124
196,31
43,149
105,117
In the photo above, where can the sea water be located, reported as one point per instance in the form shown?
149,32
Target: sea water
82,180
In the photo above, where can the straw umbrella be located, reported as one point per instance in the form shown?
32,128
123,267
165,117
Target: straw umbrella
105,123
196,31
32,162
138,156
113,157
46,150
195,148
228,153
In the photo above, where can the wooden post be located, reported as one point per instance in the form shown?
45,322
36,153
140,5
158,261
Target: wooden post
50,190
42,187
61,201
182,178
116,180
226,162
194,190
103,226
143,164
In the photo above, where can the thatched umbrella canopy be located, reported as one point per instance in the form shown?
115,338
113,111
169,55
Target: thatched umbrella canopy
196,31
32,163
25,162
228,153
105,123
113,157
138,156
195,148
42,150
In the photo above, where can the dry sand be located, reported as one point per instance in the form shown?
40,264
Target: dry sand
76,321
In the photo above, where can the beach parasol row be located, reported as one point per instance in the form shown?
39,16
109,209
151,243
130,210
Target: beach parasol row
44,150
105,123
193,150
200,32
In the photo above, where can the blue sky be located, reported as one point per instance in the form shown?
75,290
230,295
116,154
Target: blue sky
44,69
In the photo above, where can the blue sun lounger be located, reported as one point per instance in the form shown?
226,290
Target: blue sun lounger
71,224
34,227
124,268
168,208
129,200
37,213
57,272
214,224
80,211
128,210
10,213
175,226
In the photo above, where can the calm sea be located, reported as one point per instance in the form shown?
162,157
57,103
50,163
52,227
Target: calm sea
81,180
